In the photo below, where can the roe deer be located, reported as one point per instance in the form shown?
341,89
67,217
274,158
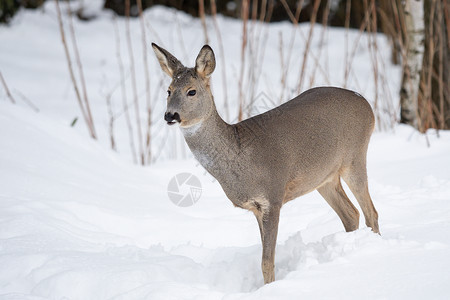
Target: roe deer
307,143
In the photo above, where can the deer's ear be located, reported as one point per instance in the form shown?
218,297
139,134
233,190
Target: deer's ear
205,62
169,63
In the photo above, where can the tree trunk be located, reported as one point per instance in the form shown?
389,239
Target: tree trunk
412,65
434,99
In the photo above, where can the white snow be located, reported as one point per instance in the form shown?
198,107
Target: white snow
79,221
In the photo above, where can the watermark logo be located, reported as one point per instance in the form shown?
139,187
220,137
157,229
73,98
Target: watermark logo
184,189
260,104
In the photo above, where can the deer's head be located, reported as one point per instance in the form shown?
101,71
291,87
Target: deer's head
189,98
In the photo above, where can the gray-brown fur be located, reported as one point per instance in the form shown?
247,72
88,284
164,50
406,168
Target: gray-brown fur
308,143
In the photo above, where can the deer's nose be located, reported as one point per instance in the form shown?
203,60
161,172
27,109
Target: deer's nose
171,118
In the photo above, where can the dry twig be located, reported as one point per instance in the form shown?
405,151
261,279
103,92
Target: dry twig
148,146
86,116
5,86
133,82
124,92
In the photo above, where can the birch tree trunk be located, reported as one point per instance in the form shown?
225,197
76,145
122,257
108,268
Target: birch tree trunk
412,65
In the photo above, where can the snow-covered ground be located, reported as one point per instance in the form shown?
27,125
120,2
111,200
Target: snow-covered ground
79,221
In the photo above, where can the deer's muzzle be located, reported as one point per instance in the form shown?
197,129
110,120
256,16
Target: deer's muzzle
172,118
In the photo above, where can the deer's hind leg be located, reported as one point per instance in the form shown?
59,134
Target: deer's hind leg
335,195
356,178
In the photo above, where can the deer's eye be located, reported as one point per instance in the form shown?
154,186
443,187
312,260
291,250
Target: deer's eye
192,93
168,93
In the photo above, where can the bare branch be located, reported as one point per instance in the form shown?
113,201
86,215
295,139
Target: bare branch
133,82
5,86
86,118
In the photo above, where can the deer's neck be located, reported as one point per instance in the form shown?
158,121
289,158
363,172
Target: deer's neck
214,144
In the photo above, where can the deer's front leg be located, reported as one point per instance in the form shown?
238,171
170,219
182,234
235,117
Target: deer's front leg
268,226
